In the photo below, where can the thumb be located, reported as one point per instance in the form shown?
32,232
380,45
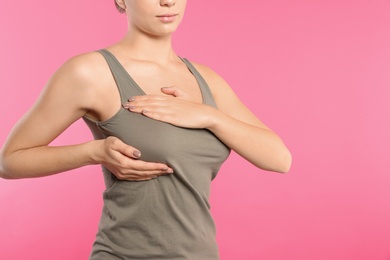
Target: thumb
128,150
174,91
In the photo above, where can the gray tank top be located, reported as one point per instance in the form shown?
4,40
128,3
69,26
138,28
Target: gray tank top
167,217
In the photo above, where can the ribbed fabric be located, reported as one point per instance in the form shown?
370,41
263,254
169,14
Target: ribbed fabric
167,217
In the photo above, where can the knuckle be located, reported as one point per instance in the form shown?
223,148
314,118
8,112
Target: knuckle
120,176
112,141
122,163
145,174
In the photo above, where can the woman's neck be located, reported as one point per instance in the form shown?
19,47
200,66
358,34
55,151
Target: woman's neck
145,47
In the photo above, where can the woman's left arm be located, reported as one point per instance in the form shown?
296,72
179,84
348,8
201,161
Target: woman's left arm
233,123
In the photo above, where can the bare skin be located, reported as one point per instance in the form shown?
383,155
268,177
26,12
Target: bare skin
84,86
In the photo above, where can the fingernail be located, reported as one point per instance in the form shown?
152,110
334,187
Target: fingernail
131,99
126,105
170,171
165,169
137,153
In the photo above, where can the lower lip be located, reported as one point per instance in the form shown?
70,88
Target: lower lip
167,19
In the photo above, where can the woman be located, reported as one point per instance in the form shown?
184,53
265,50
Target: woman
180,118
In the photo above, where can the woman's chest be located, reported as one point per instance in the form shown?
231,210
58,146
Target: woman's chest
162,142
151,78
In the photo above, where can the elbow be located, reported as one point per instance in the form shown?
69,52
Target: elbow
285,166
285,162
4,175
5,172
277,161
280,163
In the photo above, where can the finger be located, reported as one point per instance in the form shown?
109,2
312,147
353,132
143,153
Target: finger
147,168
127,150
139,103
155,109
141,179
137,174
140,176
159,116
146,97
173,90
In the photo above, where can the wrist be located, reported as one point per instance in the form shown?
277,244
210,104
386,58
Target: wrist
213,117
94,151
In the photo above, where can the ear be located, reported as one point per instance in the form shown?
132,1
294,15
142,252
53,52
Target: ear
121,4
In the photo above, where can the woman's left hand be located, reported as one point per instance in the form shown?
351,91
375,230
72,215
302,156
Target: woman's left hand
175,107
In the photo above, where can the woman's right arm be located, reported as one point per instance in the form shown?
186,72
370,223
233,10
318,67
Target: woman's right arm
68,96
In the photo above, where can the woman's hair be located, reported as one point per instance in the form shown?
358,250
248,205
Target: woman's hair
120,9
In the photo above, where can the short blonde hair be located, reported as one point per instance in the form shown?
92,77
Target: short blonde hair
120,9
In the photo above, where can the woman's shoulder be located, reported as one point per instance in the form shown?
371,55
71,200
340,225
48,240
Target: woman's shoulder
84,66
213,79
85,72
204,70
86,78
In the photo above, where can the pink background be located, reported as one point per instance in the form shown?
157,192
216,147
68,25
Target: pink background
317,72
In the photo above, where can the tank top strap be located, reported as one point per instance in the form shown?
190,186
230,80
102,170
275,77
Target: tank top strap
204,87
128,88
120,76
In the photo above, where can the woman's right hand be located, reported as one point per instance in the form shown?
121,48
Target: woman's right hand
71,93
123,161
